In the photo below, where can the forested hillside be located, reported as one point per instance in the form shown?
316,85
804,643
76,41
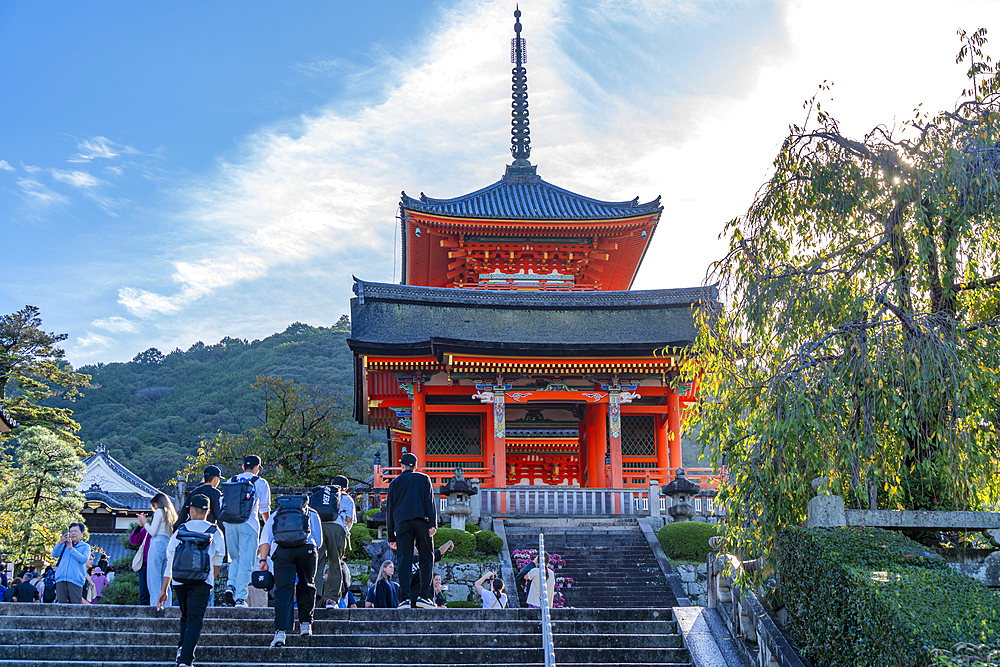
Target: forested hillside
153,411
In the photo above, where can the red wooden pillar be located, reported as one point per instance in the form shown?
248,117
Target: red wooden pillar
662,441
674,425
489,461
499,437
615,440
418,427
599,447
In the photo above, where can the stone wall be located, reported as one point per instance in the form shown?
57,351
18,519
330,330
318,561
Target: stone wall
694,579
458,577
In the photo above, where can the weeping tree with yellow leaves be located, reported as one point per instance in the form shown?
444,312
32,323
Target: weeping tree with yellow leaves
859,338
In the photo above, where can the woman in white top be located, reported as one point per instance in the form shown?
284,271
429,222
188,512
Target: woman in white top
159,529
493,595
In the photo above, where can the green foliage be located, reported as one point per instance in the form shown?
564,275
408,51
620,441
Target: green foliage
488,542
33,369
124,589
124,537
859,339
872,597
370,513
359,535
304,437
967,655
463,604
35,503
154,411
465,543
687,540
123,563
472,528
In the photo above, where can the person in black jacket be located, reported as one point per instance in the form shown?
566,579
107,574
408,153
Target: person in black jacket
213,475
411,518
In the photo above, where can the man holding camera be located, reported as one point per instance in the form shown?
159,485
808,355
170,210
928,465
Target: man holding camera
71,567
411,518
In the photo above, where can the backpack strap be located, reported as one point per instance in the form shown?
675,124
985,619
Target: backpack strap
211,530
254,479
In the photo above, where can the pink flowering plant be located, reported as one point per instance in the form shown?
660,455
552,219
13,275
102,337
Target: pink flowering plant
522,557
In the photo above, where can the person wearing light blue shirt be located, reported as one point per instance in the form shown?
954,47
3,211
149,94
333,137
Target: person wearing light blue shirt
297,560
242,538
71,567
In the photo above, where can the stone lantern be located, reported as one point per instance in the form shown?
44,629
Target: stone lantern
377,522
681,492
459,492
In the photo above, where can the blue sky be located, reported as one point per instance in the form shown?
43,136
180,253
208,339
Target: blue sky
184,171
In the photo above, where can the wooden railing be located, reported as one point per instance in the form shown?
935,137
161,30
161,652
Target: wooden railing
542,501
439,476
704,477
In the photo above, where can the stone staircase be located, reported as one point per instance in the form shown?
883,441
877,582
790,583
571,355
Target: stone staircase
609,561
49,635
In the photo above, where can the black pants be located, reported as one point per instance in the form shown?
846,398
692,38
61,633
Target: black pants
289,562
408,533
193,599
143,589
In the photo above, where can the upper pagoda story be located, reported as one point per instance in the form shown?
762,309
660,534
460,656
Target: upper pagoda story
523,233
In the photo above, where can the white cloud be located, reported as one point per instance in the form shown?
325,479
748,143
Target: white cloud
326,67
116,325
31,169
93,342
4,165
39,194
101,147
79,179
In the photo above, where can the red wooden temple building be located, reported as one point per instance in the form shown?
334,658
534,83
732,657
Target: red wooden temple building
514,347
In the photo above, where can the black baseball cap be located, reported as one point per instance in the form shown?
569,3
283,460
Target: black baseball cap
200,501
408,459
262,579
251,461
213,471
341,481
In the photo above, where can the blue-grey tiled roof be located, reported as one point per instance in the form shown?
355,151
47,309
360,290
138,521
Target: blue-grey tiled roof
118,501
123,472
528,198
110,544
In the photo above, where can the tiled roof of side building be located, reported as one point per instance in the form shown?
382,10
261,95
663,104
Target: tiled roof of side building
7,419
528,198
121,470
398,316
116,500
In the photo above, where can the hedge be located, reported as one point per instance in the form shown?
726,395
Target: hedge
370,513
465,543
687,540
124,589
472,528
359,535
488,542
463,604
871,597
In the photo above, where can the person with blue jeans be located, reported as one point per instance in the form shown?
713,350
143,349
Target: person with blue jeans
71,567
242,538
160,528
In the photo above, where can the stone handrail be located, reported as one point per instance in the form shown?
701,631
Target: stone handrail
746,615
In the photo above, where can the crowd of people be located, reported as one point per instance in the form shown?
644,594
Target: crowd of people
180,554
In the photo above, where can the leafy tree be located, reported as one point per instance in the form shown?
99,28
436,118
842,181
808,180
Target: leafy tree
38,496
305,437
33,369
860,339
343,324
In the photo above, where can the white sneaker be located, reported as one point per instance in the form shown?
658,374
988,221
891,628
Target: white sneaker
242,603
305,629
405,604
424,603
279,639
331,604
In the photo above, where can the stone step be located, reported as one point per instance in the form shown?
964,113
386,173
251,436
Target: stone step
301,649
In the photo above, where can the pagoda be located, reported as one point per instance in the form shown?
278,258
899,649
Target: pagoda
514,347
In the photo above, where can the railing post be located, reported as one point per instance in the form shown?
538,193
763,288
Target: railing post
548,648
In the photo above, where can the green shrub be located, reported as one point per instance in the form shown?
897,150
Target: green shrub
873,597
465,543
488,542
472,528
370,513
463,604
123,563
359,535
687,540
124,589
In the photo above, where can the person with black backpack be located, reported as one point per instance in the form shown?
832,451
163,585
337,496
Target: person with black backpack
292,537
194,556
337,511
243,497
210,489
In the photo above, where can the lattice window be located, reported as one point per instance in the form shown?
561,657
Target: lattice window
638,435
454,435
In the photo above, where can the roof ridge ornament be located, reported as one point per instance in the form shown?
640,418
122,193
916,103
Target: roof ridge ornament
520,135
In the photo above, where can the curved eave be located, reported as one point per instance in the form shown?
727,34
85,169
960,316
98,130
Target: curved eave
549,225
